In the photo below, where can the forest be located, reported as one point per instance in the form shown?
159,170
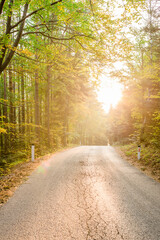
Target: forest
52,54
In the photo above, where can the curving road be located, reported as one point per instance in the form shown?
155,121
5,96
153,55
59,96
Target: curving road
86,193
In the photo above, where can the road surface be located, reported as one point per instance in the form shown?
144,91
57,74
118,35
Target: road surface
86,193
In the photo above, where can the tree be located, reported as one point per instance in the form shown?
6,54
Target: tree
10,41
141,75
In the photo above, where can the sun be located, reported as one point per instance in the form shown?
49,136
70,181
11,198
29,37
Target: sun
109,93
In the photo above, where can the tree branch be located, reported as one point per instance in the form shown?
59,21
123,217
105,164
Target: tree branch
56,38
30,14
81,45
31,59
1,6
11,53
7,30
37,26
11,106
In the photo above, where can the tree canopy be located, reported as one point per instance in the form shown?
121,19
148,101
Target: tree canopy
51,54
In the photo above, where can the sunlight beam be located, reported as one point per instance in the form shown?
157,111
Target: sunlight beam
109,93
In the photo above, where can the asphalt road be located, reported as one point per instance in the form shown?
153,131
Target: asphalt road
86,193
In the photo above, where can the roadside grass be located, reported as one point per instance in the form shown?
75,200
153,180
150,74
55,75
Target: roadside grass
16,169
10,161
17,158
150,157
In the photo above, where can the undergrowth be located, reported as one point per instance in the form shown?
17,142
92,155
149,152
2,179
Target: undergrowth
13,159
150,156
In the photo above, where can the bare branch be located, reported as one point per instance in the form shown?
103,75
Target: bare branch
31,59
56,38
81,45
91,7
36,26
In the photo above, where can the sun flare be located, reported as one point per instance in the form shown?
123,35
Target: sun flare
109,94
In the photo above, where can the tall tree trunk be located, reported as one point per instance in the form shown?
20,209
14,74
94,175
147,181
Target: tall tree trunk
66,125
47,108
27,114
19,109
5,114
142,140
11,111
14,108
1,121
37,104
23,104
14,114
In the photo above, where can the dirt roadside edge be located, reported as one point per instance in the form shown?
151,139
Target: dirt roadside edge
139,165
19,174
